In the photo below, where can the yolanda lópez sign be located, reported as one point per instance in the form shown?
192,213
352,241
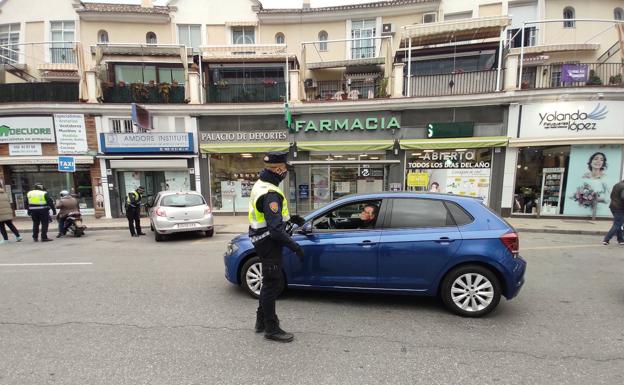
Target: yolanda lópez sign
26,129
572,119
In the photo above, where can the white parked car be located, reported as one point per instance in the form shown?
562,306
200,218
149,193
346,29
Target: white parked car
177,212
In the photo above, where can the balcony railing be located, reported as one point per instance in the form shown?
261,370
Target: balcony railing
141,93
62,55
573,75
458,83
38,92
224,92
332,90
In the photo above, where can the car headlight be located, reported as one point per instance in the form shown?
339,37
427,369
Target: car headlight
231,248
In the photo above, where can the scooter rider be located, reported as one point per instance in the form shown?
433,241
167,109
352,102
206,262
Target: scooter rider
38,204
66,205
268,214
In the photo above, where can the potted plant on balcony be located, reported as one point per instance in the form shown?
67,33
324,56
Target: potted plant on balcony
382,88
139,92
164,89
615,80
222,84
269,83
594,80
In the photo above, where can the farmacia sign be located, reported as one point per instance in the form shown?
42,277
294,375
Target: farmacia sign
346,124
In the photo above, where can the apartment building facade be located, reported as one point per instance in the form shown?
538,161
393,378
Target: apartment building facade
419,95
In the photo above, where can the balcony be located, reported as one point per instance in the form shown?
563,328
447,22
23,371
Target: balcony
458,83
62,55
336,90
572,75
38,92
267,92
141,93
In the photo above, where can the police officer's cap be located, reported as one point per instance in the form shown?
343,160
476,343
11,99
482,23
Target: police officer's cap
276,157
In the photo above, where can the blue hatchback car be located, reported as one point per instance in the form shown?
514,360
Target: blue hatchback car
416,243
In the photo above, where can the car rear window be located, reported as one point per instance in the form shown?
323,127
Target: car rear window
460,215
419,213
182,200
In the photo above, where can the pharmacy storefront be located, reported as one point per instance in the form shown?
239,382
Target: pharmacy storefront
566,158
158,161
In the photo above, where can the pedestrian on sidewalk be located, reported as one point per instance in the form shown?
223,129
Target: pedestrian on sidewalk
133,211
617,209
66,205
38,204
6,217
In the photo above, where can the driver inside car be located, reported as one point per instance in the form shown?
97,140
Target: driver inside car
365,220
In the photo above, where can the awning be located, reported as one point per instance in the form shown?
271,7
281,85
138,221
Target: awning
534,142
242,147
356,145
24,160
550,48
456,30
448,143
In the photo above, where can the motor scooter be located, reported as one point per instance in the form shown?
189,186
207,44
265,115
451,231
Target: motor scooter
73,224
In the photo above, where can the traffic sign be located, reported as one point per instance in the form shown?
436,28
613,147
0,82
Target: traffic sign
66,164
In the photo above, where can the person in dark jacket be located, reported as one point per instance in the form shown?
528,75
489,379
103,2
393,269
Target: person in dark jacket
38,205
617,209
6,217
133,211
268,217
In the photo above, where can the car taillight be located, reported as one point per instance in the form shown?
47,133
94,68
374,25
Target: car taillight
511,242
207,211
160,212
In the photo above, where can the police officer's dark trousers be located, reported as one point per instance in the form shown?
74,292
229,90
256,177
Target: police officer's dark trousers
134,219
270,254
40,217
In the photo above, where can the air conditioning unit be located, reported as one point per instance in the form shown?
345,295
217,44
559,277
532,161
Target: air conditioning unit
387,29
430,17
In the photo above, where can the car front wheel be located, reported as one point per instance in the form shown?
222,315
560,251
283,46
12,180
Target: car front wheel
251,277
471,291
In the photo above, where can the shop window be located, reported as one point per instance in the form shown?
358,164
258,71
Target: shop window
419,213
569,16
231,178
454,171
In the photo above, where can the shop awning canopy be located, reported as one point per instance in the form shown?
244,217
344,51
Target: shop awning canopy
243,147
536,142
354,145
450,143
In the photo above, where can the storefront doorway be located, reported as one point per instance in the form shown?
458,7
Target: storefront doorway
153,181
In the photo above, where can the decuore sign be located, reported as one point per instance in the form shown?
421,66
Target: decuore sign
26,129
572,119
346,124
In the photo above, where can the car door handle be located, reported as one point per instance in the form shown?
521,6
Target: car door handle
445,240
367,243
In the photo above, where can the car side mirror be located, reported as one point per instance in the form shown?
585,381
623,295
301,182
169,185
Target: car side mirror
306,228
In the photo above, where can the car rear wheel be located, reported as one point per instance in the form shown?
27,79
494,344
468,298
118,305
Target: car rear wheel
251,277
158,237
471,291
209,233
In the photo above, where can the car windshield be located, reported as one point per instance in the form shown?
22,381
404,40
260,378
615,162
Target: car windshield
182,200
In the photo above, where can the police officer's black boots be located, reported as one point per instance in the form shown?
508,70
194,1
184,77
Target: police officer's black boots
259,322
275,333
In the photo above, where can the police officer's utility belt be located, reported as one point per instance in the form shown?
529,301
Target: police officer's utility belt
257,238
30,207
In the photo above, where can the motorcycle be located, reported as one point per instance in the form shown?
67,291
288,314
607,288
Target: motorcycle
73,224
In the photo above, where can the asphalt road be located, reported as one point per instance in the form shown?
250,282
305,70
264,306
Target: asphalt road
139,312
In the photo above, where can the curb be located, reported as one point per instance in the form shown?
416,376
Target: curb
119,228
560,231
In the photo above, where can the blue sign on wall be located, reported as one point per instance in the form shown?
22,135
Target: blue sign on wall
66,164
304,191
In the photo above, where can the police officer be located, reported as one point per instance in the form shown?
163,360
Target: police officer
38,204
268,214
133,211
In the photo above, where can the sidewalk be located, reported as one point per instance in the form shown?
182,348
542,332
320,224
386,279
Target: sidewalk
239,224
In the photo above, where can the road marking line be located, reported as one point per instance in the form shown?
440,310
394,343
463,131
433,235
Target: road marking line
47,264
559,247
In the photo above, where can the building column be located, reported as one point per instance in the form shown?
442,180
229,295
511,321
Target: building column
105,188
511,160
193,85
294,85
397,84
91,86
511,72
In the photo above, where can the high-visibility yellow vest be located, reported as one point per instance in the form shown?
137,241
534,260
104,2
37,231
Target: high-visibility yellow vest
37,198
136,197
256,217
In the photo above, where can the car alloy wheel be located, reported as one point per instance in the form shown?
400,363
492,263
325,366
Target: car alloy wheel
253,278
472,292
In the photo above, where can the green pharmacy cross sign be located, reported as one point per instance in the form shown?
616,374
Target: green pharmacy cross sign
347,124
450,130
